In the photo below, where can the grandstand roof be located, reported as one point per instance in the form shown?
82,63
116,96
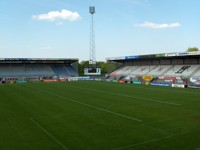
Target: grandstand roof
38,60
157,56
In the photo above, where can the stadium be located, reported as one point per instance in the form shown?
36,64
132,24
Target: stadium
51,107
147,101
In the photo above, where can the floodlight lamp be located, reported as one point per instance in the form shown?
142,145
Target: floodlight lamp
92,10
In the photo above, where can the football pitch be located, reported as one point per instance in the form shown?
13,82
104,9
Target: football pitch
89,115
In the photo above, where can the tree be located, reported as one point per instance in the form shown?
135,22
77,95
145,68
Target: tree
102,64
192,49
104,67
81,67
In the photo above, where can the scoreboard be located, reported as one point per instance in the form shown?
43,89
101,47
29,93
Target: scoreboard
92,71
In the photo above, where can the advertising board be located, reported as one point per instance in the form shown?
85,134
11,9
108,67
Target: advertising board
170,54
148,56
178,85
160,55
169,78
132,57
116,58
195,80
121,81
159,84
182,54
194,53
137,82
79,78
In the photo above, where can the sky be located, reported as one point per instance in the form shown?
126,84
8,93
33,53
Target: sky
61,28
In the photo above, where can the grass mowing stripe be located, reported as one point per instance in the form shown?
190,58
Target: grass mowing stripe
93,129
91,106
155,88
50,135
142,124
144,99
150,141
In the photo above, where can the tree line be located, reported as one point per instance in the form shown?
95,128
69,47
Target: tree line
106,66
102,64
192,49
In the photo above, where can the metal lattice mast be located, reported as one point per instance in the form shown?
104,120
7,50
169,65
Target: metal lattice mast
92,57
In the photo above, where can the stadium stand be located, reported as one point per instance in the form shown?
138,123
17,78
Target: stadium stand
182,70
166,67
71,70
142,70
60,70
160,70
18,68
119,71
196,73
38,70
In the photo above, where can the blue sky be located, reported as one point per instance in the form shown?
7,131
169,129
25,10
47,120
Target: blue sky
60,28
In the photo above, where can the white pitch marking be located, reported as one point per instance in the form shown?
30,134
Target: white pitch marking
149,141
105,110
113,113
145,99
154,128
91,106
149,88
51,136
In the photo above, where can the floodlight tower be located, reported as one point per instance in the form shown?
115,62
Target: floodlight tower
92,57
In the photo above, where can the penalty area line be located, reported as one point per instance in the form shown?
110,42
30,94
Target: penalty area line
50,135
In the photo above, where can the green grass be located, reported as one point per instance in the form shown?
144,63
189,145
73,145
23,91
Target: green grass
91,115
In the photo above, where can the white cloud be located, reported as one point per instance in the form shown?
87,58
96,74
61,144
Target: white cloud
152,25
58,15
